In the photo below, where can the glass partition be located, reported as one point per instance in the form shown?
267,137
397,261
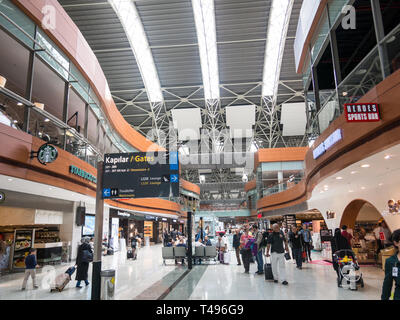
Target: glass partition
9,11
43,128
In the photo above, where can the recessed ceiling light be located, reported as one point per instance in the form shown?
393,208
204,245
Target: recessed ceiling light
339,178
20,104
353,172
365,165
388,156
344,93
10,179
46,120
381,184
351,191
15,121
362,188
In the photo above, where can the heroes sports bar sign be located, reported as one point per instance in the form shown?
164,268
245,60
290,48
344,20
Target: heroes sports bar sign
362,112
140,175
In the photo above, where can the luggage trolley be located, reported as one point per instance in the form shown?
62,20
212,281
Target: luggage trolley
349,270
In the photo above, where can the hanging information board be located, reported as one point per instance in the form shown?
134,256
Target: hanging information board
141,175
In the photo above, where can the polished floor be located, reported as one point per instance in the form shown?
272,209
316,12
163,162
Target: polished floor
316,281
148,278
132,278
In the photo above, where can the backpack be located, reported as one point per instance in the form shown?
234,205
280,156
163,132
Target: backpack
264,242
252,245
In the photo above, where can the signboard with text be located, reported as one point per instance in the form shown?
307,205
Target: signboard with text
140,175
362,112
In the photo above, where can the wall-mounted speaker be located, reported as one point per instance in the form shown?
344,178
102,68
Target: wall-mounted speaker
80,216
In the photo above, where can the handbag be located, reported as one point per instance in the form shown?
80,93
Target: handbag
87,256
287,256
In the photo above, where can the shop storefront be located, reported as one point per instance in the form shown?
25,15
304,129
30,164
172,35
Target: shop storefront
124,226
26,229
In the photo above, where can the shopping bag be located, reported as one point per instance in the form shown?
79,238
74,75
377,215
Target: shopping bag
227,257
287,256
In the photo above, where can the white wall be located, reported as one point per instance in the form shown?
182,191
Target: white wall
337,200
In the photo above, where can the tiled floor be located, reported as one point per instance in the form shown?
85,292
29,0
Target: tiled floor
315,281
141,278
132,278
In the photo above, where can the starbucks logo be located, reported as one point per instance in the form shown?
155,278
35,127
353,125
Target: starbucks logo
47,154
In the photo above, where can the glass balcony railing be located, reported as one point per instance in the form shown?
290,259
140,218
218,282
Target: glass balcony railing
279,187
363,78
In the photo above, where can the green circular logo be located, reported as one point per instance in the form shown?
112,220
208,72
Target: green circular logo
47,154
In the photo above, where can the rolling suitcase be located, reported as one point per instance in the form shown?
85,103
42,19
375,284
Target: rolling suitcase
62,280
268,271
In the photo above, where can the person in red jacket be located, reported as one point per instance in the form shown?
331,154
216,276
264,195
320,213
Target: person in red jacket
347,235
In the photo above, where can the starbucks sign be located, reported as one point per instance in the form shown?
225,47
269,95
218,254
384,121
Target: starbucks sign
46,154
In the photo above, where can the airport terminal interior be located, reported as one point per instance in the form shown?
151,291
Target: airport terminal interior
199,149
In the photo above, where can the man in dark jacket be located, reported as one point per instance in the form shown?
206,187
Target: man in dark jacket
30,269
236,245
296,242
392,267
85,255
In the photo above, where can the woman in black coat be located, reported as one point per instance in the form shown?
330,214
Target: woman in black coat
338,242
85,255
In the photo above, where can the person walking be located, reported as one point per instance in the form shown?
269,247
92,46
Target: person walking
347,235
258,236
392,266
30,269
244,251
382,234
296,242
278,245
338,242
307,241
85,256
236,245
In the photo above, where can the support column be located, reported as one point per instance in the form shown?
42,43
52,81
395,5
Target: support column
28,90
98,235
190,238
280,180
380,34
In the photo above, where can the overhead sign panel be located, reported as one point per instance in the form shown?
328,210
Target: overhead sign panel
335,137
362,112
141,175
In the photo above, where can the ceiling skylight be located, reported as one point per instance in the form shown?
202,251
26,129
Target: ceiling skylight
130,20
204,16
277,30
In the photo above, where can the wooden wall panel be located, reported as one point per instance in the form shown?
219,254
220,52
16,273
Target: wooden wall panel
190,186
280,154
15,161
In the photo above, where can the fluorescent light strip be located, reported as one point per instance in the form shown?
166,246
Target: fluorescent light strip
130,20
204,16
276,37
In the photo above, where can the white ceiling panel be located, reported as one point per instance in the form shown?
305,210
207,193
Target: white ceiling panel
240,120
187,122
294,119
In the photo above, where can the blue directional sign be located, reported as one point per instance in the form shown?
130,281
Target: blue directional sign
106,193
141,175
173,161
174,178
